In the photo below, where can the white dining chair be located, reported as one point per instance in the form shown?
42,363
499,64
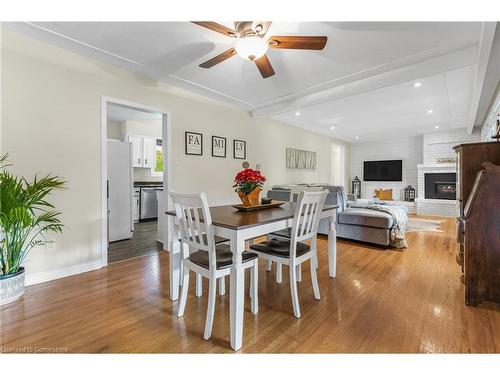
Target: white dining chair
203,256
293,252
286,233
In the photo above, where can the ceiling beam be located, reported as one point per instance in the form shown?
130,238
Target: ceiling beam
485,45
387,75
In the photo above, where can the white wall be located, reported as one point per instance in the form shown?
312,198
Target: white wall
440,144
489,127
408,149
44,86
424,149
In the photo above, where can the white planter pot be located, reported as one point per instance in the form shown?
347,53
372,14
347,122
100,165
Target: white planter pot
11,287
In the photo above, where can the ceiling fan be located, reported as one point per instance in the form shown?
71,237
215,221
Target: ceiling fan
252,44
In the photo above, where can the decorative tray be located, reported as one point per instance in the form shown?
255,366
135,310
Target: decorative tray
274,204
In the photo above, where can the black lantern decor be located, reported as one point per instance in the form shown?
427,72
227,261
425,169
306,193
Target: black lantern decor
356,187
409,194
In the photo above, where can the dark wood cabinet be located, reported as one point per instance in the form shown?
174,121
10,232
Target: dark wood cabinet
478,223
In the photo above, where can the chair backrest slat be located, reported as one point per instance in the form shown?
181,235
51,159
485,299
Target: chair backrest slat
195,222
307,215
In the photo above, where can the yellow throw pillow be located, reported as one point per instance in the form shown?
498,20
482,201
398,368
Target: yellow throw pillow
377,192
385,195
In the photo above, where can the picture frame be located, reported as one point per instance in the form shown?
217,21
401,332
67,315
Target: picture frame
300,159
239,149
219,146
193,143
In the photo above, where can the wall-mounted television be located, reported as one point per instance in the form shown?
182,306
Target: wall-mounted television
383,170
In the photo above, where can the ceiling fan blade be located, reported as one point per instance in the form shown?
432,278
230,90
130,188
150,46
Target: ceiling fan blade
219,58
298,42
217,27
264,66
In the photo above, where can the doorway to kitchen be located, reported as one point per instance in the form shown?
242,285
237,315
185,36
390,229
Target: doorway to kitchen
135,175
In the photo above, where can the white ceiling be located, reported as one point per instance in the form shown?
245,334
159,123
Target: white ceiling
121,113
397,110
361,82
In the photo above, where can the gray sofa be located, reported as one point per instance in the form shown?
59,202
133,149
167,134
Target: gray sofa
358,224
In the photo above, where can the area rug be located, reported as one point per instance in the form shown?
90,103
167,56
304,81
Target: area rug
423,225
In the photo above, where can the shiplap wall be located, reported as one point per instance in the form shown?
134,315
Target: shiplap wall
440,144
407,149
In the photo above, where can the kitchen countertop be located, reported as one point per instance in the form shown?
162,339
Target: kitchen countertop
138,184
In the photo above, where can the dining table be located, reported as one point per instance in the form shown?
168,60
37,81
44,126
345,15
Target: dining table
238,227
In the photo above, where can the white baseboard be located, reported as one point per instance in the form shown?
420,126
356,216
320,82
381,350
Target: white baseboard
41,277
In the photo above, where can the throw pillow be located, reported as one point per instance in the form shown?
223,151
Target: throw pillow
385,195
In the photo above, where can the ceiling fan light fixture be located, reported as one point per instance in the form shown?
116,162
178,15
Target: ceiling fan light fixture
251,47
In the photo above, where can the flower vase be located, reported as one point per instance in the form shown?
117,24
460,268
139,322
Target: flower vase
250,199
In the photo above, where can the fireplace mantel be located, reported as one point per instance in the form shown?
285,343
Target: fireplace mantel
437,167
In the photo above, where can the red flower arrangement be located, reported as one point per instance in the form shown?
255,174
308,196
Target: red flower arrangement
247,180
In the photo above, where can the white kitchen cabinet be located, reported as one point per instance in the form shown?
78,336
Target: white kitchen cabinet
148,152
143,151
136,141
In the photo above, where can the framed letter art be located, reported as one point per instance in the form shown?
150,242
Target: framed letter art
219,146
194,143
239,149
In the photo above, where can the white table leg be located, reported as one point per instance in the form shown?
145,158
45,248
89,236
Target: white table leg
269,264
237,292
332,247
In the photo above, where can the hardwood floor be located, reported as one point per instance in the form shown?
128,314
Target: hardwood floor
382,301
142,243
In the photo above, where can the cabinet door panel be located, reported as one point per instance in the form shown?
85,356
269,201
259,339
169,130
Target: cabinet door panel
148,147
137,157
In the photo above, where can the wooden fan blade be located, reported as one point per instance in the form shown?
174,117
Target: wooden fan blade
219,58
298,42
217,27
264,66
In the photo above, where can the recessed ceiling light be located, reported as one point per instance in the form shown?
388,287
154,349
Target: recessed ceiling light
332,127
436,127
356,137
429,111
297,113
417,84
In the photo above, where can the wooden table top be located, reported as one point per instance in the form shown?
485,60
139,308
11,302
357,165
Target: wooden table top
230,217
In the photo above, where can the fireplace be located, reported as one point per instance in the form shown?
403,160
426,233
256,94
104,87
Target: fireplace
441,186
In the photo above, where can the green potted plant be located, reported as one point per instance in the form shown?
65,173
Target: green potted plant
25,217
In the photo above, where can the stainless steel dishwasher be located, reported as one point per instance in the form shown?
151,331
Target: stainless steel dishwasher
149,203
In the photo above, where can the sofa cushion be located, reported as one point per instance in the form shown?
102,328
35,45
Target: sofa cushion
336,196
365,217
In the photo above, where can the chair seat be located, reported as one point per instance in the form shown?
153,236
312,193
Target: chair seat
287,233
223,254
218,239
279,247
